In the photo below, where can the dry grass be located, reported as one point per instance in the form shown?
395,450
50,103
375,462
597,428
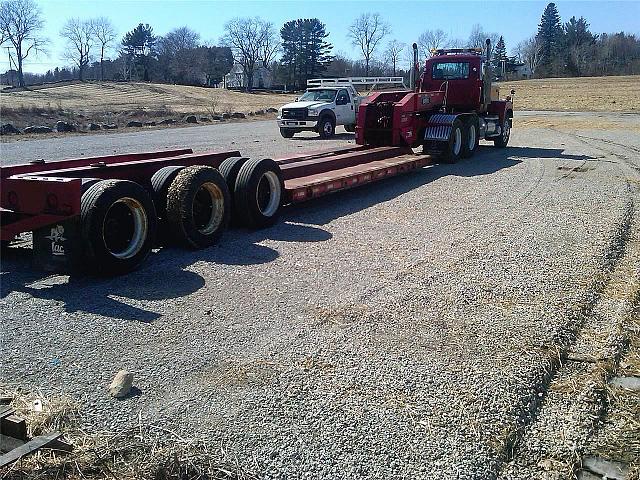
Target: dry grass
584,94
99,97
572,124
145,451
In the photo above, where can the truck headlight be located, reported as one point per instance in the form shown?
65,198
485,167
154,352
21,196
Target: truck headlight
313,112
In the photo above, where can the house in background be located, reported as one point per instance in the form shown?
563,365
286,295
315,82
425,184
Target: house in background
262,77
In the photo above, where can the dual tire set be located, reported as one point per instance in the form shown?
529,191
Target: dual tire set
464,139
120,221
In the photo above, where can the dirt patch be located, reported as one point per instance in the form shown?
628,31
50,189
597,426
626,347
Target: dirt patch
571,124
583,94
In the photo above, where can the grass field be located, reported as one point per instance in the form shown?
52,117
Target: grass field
97,97
584,94
109,102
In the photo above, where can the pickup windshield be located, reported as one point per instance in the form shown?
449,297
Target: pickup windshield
318,95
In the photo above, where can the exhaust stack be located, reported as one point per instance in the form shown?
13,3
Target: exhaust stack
414,67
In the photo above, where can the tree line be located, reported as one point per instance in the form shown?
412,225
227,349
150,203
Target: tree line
299,50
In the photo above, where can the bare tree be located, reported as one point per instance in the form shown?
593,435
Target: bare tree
105,34
366,32
431,40
79,36
251,40
20,24
393,52
456,43
478,37
530,52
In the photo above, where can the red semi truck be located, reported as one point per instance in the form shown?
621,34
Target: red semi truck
105,214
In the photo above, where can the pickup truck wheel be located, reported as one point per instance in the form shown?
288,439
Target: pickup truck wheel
327,127
503,139
118,225
198,206
258,194
453,148
287,132
471,139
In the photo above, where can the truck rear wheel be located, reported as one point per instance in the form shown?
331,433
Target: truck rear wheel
326,127
258,194
118,225
453,148
471,138
503,139
198,206
287,132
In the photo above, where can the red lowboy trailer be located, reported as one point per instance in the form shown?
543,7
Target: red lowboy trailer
104,214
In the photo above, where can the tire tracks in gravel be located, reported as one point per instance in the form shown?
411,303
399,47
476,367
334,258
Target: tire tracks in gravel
593,395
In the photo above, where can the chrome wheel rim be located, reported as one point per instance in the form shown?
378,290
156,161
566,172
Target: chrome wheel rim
457,141
125,228
327,128
207,208
472,137
268,194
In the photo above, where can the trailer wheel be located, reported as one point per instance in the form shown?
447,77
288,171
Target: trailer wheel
287,132
453,148
229,170
198,206
503,139
160,183
118,226
471,138
326,127
258,194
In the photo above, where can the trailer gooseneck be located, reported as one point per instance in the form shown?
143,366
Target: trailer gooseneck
105,214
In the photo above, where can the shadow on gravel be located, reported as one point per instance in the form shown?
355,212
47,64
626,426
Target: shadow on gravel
337,136
487,160
163,276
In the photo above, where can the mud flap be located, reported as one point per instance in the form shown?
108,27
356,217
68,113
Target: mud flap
437,133
56,247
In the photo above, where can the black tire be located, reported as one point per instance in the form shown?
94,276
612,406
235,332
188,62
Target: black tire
503,139
350,128
118,225
87,183
198,206
287,132
160,183
229,170
453,148
259,193
326,127
471,138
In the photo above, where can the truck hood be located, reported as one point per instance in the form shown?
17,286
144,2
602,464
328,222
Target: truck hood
305,104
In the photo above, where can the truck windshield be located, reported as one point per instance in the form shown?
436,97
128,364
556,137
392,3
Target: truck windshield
316,95
450,71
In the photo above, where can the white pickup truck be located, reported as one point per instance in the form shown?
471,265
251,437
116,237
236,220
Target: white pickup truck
327,103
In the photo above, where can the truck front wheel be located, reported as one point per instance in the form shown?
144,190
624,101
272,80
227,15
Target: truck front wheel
503,139
326,127
286,132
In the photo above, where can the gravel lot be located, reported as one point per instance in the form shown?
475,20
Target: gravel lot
397,331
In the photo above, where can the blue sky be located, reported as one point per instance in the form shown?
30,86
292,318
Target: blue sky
514,19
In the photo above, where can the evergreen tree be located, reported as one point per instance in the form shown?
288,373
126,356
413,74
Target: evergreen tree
499,57
306,53
139,46
550,34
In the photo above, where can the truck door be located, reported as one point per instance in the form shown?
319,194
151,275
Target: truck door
345,111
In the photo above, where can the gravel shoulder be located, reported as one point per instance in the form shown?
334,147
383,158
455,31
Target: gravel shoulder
397,331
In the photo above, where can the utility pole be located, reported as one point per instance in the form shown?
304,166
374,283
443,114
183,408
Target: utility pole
10,78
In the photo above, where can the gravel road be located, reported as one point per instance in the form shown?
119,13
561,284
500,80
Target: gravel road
400,331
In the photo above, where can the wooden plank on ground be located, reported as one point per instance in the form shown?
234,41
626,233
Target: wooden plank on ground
14,426
9,443
28,448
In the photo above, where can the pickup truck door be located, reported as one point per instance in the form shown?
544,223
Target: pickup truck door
345,110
